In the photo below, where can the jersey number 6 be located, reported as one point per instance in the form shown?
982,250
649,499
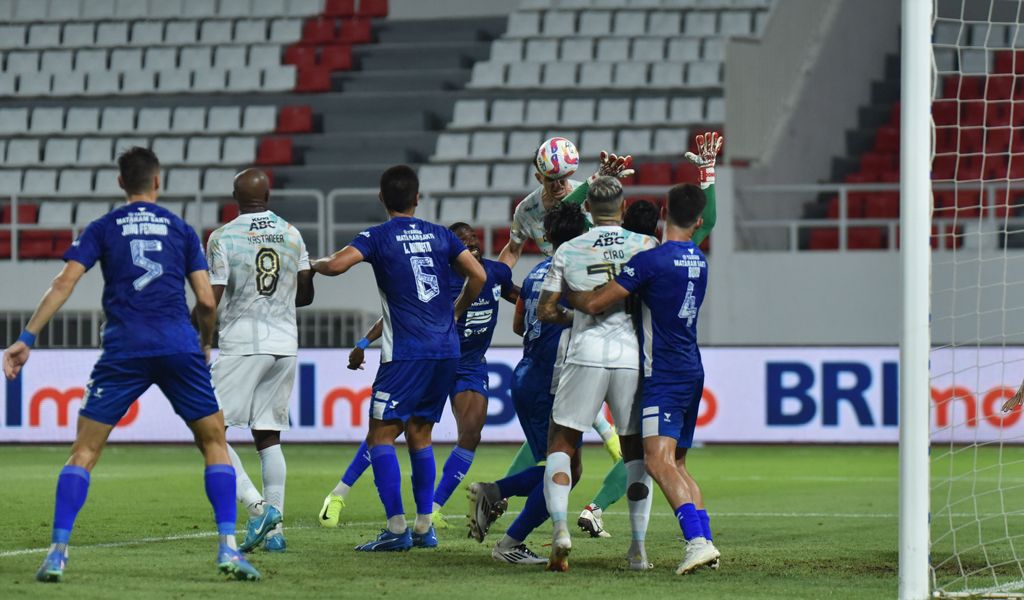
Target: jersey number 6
268,268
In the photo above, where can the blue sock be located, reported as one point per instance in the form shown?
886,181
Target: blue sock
388,478
360,462
455,469
689,522
72,488
705,523
534,513
220,489
423,474
522,483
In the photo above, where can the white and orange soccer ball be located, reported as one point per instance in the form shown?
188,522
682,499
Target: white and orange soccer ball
557,158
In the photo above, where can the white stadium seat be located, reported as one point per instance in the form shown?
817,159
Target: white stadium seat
470,113
116,119
62,10
435,177
69,84
577,112
269,8
22,62
304,8
470,177
523,143
507,112
199,9
10,181
648,49
44,36
39,181
55,212
634,141
234,8
630,75
34,84
126,60
613,49
181,33
96,10
541,50
87,212
79,35
218,181
130,9
493,210
259,119
112,34
248,80
596,23
578,49
91,60
13,120
452,145
613,111
559,24
239,150
196,57
523,75
174,80
170,151
687,110
668,75
183,181
224,119
595,75
8,84
95,151
684,49
215,32
506,50
735,23
487,144
593,141
188,119
523,24
456,209
60,151
700,23
715,110
703,74
203,151
209,80
508,176
631,23
57,61
105,183
83,120
671,141
276,79
228,57
560,75
147,33
251,31
262,56
138,82
174,206
541,112
46,121
650,110
76,181
103,83
487,74
286,31
664,24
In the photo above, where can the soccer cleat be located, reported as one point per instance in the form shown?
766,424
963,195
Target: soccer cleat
699,552
230,562
439,520
52,570
561,545
485,506
520,555
331,511
275,543
590,521
713,565
388,542
425,540
614,448
257,528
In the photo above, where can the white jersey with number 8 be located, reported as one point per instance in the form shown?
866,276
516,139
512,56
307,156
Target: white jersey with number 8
257,258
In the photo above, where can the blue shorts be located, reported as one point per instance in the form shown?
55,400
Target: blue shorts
412,388
669,408
116,383
470,378
532,398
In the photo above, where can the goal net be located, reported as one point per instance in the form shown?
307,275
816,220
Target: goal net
977,299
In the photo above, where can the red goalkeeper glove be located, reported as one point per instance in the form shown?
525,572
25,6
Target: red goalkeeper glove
613,166
709,144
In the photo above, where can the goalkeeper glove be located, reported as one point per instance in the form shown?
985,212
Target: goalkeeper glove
611,165
709,144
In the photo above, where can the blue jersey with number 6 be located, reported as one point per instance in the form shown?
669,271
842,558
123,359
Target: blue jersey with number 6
671,280
145,252
411,261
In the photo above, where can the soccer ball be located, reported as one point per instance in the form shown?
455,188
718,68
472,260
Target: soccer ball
557,158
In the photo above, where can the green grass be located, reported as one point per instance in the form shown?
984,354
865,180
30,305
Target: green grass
792,522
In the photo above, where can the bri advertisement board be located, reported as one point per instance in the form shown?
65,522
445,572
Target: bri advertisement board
779,395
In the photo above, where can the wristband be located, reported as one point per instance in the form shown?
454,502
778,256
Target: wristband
27,337
363,344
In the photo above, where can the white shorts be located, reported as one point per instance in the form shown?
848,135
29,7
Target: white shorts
582,390
254,390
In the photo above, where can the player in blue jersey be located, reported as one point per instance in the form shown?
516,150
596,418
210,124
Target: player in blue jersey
533,397
146,253
469,390
412,263
671,280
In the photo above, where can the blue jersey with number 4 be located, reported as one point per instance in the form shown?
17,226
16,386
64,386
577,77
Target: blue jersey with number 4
671,280
411,262
145,252
476,329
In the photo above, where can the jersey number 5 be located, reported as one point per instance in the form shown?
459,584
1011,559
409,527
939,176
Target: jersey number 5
139,259
268,269
427,287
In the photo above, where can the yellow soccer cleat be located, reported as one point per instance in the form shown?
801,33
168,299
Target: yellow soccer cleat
614,448
439,520
331,511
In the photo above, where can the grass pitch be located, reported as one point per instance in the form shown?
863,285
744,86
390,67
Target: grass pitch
791,522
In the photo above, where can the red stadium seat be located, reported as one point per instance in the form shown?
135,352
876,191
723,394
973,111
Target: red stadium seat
968,168
27,213
946,139
295,119
876,163
997,113
373,8
865,238
967,203
824,239
500,239
5,244
356,31
336,58
313,80
944,167
944,112
1016,166
340,8
971,139
654,174
42,244
944,207
1009,61
274,151
997,140
228,212
972,113
530,247
855,202
894,114
300,56
887,140
882,205
1017,113
319,31
686,172
996,166
999,87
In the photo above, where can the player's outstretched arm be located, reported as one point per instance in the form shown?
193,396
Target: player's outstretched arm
609,165
470,268
205,311
60,290
597,301
709,144
337,263
356,358
511,253
519,318
304,291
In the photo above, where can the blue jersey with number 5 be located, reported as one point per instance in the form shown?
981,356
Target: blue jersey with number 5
411,261
145,252
671,280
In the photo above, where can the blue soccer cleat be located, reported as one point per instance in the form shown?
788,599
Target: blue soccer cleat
275,543
230,562
257,528
52,570
425,540
389,542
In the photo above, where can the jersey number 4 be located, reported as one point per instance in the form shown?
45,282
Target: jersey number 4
139,259
688,310
268,269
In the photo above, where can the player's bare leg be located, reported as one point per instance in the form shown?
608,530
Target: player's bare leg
638,495
470,410
660,460
562,444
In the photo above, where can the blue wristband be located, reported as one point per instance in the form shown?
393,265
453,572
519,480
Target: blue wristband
27,337
363,344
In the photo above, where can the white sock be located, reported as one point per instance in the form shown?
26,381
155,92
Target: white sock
245,491
340,490
274,473
422,524
639,510
436,507
556,496
397,524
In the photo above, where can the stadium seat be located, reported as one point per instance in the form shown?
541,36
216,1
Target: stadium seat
523,75
60,151
578,49
471,177
218,181
456,209
55,212
560,75
39,182
523,143
181,33
467,113
654,174
630,23
523,24
39,244
667,24
259,119
595,75
319,31
339,8
373,8
578,112
229,212
170,151
508,176
286,31
336,57
239,150
824,239
46,121
630,75
247,79
105,183
613,49
56,61
28,213
22,152
452,145
250,31
295,119
188,119
493,210
158,120
202,151
634,141
673,141
648,49
224,119
312,79
274,151
43,36
541,50
5,244
650,110
75,181
507,112
506,50
592,141
183,181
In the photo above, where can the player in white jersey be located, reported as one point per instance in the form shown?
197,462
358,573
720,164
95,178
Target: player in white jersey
601,364
260,272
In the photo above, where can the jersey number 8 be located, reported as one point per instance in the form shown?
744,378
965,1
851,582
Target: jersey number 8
268,268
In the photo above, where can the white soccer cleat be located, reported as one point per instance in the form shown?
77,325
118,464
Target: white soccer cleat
561,545
590,522
519,555
699,553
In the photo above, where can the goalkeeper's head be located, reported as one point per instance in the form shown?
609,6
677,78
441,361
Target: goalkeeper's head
685,206
564,222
